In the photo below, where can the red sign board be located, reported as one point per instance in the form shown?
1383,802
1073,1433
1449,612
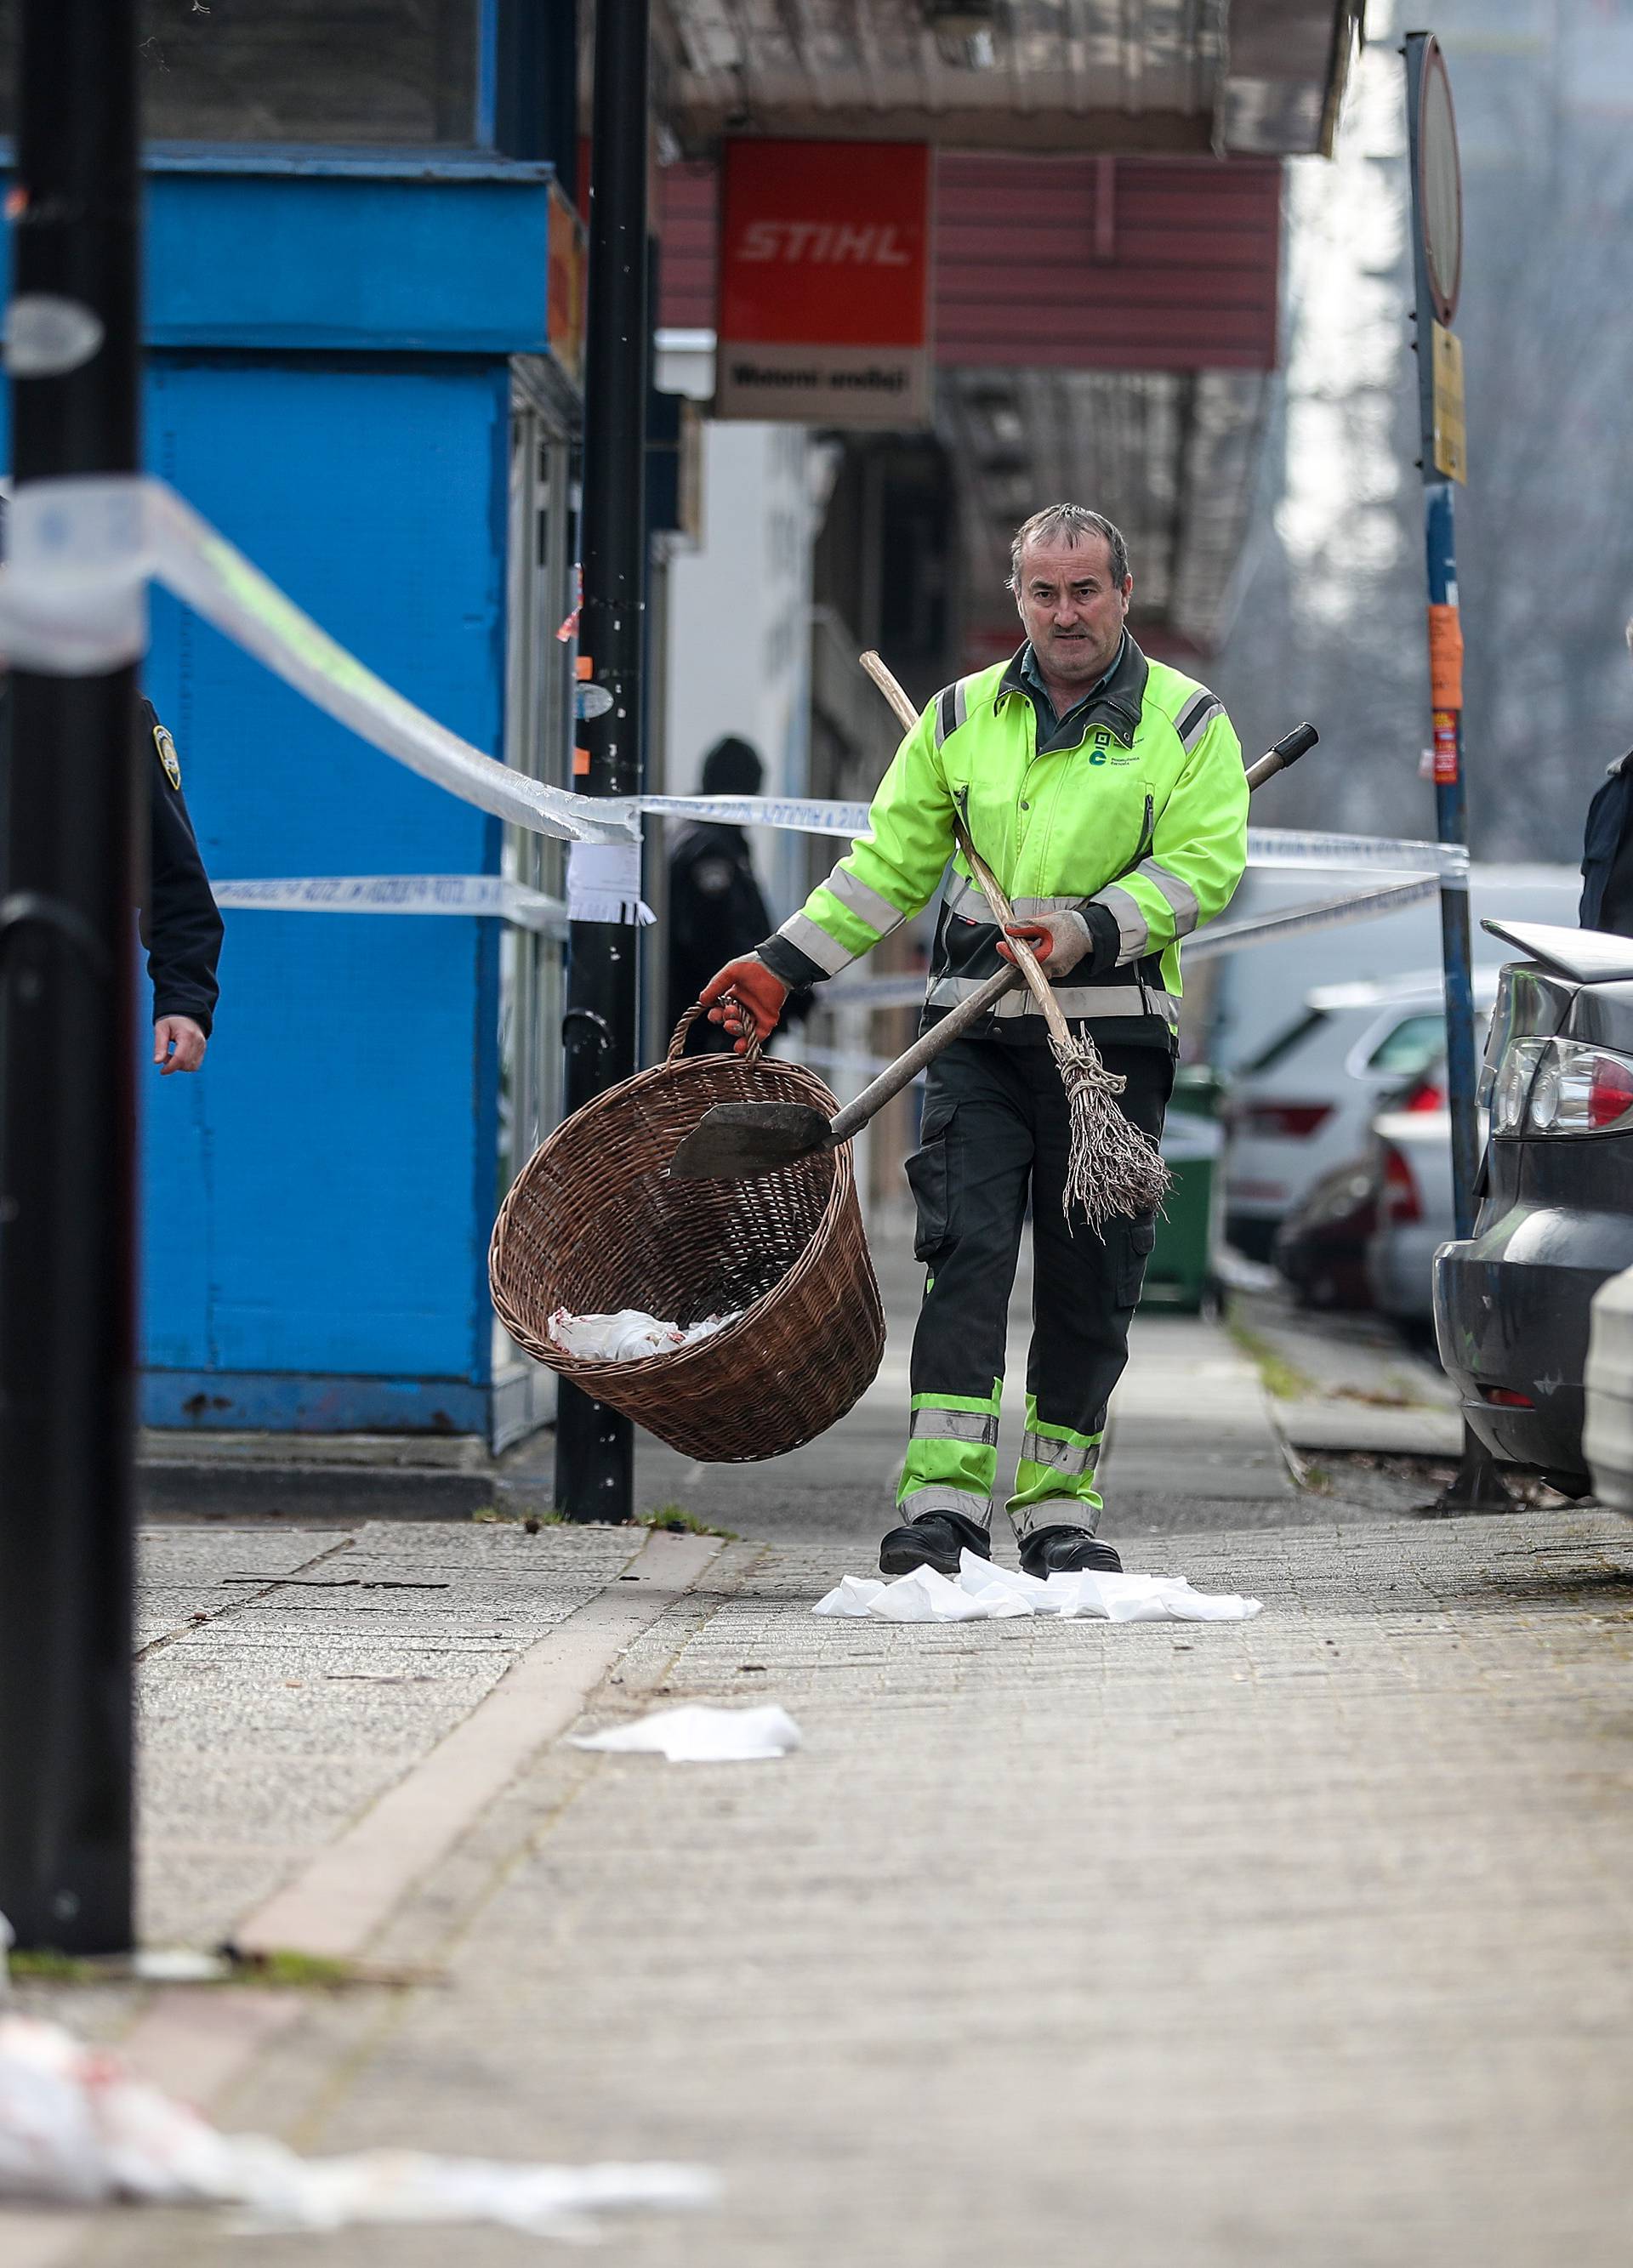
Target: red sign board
824,300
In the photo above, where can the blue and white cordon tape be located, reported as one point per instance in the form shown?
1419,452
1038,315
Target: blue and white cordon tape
73,603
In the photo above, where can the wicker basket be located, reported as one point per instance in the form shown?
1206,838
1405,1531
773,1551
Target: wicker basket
594,1224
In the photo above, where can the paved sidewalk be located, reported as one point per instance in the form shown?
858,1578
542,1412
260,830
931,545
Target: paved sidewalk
1303,1939
1191,1442
287,1681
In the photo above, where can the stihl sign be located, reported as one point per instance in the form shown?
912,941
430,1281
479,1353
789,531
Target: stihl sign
825,282
804,239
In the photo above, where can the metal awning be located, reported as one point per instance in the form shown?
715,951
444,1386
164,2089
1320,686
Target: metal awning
1170,457
1087,76
1108,344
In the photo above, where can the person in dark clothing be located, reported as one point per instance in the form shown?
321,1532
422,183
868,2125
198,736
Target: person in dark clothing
1607,854
180,924
1607,850
716,911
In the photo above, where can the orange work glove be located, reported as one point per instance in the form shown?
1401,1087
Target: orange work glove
1060,940
745,998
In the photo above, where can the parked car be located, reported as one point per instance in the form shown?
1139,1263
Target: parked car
1304,1107
1555,1220
1258,994
1416,1206
1321,1247
1607,1427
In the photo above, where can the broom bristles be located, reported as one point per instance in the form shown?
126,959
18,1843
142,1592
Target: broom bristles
1113,1168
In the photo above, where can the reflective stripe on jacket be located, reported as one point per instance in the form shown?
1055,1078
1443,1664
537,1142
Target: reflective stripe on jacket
1143,816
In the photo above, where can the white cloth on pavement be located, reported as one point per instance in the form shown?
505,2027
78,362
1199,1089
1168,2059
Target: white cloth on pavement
698,1734
986,1592
77,2129
630,1336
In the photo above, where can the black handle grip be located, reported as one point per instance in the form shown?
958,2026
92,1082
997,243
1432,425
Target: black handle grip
1297,743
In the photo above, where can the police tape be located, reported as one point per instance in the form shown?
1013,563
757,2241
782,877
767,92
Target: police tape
791,814
1222,936
496,895
72,601
397,894
1217,939
1267,846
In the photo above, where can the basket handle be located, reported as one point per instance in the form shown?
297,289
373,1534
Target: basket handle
751,1053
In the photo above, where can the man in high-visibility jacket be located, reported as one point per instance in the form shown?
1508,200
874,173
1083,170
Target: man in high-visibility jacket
1107,793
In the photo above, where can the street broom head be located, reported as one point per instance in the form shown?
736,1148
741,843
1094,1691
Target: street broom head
1113,1168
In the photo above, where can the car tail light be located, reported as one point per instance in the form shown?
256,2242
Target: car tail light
1505,1397
1428,1094
1402,1202
1561,1087
1294,1119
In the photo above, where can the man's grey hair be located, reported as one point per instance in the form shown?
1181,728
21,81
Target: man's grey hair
1072,522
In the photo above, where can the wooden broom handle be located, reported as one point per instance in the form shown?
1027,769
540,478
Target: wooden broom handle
1043,991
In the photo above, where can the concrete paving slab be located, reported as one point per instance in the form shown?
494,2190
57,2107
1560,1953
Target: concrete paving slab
333,1909
1308,1939
212,1781
1190,1420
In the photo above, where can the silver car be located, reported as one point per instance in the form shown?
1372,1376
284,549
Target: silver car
1412,1171
1306,1103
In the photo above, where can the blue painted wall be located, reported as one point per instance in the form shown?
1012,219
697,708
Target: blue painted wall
337,1149
329,384
327,259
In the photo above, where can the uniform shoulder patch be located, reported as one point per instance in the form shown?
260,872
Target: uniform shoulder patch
167,755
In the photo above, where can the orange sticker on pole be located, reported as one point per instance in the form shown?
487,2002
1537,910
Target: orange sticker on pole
1446,764
1446,658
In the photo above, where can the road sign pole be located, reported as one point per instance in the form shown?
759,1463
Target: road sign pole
595,1444
67,1072
1452,827
1438,259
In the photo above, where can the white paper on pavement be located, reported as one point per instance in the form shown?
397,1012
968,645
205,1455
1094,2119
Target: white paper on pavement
986,1592
77,2129
698,1734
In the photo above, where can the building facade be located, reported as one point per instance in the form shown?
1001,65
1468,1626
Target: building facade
363,339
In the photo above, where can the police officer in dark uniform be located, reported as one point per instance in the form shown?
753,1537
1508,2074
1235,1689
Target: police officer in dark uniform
180,924
716,911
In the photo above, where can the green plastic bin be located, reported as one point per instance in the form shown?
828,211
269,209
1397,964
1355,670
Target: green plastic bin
1179,1272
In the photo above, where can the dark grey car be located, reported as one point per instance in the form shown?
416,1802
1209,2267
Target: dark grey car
1556,1217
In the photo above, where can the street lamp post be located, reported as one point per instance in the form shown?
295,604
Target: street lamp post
67,1053
595,1444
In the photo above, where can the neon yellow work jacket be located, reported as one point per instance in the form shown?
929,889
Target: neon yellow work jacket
1132,811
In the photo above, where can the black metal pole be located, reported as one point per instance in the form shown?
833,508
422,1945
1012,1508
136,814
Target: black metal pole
67,1101
594,1446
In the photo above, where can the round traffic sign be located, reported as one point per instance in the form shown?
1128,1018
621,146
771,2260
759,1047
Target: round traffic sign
1439,184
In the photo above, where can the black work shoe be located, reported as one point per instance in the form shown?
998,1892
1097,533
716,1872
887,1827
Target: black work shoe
935,1539
1065,1550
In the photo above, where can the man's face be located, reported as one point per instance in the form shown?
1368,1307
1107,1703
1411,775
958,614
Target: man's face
1073,609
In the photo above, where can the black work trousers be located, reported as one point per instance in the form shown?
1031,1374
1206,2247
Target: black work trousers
996,1131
